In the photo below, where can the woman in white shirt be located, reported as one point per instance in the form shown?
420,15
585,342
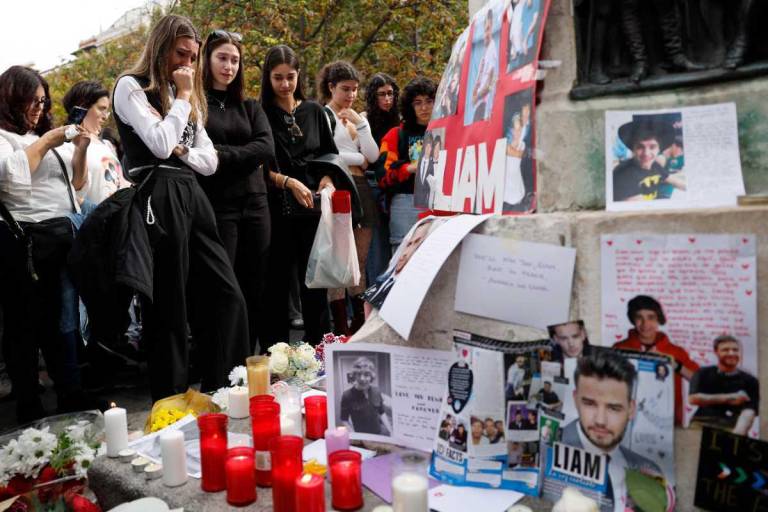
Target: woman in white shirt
338,83
105,174
37,187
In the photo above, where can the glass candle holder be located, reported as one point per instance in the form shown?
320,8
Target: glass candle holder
316,416
265,425
240,476
310,493
289,398
286,468
346,479
410,484
258,375
336,439
213,451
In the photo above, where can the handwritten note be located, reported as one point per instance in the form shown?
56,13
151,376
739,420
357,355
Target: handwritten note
706,284
519,282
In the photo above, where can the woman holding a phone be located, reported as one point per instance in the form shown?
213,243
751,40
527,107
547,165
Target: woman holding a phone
301,132
242,138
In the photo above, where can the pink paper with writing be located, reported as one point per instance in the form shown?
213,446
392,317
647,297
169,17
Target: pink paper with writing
706,284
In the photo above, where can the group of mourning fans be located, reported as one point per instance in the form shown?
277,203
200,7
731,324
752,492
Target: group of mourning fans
204,207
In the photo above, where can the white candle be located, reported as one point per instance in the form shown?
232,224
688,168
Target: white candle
116,430
238,403
290,420
409,493
174,458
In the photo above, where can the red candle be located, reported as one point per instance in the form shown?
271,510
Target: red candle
241,478
346,480
286,468
310,493
213,451
265,423
316,414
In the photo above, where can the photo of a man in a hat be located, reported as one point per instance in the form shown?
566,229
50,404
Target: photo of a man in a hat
641,177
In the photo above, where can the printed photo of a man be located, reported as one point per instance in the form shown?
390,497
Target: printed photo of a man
726,396
605,401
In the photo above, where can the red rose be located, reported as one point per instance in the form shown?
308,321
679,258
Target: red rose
46,475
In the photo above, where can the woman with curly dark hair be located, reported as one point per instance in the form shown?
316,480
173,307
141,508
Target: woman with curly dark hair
37,190
403,145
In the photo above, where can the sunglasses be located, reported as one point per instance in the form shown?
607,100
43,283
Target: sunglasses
293,128
223,34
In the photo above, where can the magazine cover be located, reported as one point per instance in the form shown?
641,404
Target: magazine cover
488,434
613,438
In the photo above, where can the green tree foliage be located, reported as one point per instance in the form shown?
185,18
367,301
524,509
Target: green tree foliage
404,38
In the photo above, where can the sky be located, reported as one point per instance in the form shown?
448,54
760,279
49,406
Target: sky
42,32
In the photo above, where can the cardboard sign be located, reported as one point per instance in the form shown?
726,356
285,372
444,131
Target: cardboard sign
733,473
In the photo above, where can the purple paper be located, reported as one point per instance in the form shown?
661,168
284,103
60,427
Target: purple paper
377,476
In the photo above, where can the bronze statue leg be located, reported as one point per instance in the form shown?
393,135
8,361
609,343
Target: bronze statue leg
671,30
734,57
600,18
633,31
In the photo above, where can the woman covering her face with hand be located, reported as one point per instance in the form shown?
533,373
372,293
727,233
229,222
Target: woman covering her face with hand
301,132
241,135
338,84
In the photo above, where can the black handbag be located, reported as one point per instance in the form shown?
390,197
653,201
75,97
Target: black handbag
290,207
47,239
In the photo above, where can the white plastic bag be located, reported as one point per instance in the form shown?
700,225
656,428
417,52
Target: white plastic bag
333,259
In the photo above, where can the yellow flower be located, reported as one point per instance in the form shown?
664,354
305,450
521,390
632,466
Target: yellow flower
165,417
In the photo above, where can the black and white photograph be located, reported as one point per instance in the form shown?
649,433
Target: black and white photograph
365,405
426,183
518,129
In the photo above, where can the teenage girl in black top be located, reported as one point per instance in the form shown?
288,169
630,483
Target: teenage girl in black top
301,132
242,137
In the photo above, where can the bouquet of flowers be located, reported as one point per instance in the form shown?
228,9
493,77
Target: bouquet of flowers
47,464
328,339
295,360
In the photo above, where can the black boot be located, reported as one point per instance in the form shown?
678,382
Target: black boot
633,31
671,31
734,57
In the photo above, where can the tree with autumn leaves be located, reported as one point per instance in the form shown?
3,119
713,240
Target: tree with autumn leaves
404,38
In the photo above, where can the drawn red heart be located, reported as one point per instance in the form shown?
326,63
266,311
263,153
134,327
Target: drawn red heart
618,336
638,242
609,242
745,266
692,240
464,353
623,299
745,240
749,292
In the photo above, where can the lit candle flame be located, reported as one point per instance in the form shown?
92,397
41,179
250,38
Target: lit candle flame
112,405
307,478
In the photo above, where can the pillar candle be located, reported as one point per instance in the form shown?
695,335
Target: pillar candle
346,480
174,455
238,402
310,493
286,468
409,493
290,422
241,478
336,439
265,424
316,414
258,375
213,451
116,430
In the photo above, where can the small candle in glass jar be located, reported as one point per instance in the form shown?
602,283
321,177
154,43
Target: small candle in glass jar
240,476
336,439
310,493
346,480
213,451
316,416
257,368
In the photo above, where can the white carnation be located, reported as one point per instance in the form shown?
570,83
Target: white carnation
238,376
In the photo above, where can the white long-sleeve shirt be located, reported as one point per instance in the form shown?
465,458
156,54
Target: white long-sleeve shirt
355,151
32,196
162,135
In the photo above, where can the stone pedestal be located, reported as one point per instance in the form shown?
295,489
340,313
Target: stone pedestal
571,134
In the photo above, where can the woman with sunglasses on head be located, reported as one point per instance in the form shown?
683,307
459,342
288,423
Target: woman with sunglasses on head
403,145
337,85
301,132
240,132
381,97
37,189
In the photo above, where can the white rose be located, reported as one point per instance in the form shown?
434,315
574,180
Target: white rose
279,348
278,363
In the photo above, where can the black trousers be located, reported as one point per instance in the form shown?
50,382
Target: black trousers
244,226
31,314
292,240
191,273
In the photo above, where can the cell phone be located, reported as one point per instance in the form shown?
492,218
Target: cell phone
77,115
